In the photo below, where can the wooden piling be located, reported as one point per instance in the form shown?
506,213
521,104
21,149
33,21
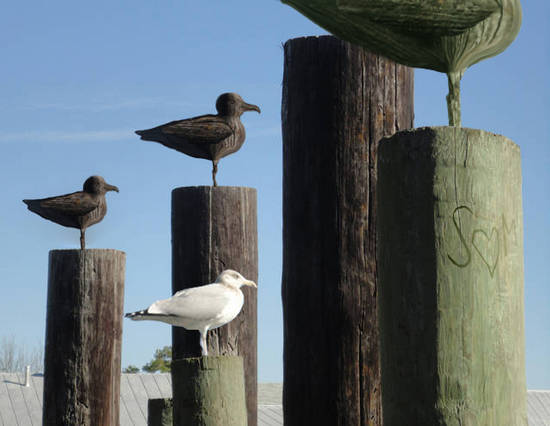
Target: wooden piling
338,102
160,412
215,228
211,391
450,253
83,337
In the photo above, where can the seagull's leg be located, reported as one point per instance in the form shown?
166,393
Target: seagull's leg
203,342
82,239
214,171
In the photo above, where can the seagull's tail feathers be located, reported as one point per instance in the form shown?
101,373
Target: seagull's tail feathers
139,315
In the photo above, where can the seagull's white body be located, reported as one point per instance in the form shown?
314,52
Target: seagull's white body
200,308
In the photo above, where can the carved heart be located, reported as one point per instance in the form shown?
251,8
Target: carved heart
487,247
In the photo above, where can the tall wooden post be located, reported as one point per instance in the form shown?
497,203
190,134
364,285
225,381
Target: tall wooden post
83,337
215,228
450,253
338,102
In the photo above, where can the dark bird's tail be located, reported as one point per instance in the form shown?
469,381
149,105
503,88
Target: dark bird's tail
32,205
148,135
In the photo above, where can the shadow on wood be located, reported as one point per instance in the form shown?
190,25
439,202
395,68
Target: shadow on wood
450,264
159,412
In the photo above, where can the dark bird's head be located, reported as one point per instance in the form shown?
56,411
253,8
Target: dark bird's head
233,105
97,185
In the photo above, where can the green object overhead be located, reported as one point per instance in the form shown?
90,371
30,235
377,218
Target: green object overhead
441,35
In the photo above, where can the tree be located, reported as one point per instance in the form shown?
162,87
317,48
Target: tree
15,357
161,361
132,369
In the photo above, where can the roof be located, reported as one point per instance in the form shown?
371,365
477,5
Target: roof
22,406
538,407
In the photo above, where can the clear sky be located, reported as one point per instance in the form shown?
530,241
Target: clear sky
77,78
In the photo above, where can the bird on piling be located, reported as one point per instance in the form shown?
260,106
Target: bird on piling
211,137
200,308
76,210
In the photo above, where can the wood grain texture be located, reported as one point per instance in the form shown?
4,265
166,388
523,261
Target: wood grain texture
215,228
211,391
338,102
450,264
83,337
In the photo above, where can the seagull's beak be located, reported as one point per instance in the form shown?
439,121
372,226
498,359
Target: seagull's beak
250,283
251,107
110,187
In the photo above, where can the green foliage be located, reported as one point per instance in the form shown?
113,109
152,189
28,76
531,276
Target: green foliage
161,361
131,369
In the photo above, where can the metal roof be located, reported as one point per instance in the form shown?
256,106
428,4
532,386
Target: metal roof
22,406
538,407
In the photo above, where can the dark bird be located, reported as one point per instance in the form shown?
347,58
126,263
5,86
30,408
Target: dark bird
211,137
76,210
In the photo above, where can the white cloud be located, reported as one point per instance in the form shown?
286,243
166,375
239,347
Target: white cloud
106,105
64,136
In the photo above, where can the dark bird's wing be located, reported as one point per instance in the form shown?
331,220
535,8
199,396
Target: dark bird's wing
197,130
75,204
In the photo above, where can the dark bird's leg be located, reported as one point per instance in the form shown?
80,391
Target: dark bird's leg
214,171
82,239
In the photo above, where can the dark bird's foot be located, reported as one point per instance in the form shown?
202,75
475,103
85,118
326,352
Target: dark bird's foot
214,171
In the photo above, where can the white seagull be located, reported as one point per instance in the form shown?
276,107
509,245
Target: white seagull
200,308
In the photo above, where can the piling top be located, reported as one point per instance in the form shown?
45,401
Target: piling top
475,134
62,252
205,188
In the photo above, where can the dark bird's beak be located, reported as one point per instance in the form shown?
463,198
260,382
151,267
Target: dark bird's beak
250,107
110,187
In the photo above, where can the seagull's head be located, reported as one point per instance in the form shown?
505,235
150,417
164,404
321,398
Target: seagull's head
97,185
232,104
234,279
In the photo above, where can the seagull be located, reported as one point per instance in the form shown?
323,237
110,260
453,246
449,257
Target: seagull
200,308
76,210
211,137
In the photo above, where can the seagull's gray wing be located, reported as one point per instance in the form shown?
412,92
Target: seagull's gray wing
197,303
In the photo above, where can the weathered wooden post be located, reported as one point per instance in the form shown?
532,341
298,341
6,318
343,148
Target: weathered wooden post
450,267
215,228
210,391
83,337
338,102
159,412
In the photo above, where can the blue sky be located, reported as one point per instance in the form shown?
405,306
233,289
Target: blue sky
78,78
